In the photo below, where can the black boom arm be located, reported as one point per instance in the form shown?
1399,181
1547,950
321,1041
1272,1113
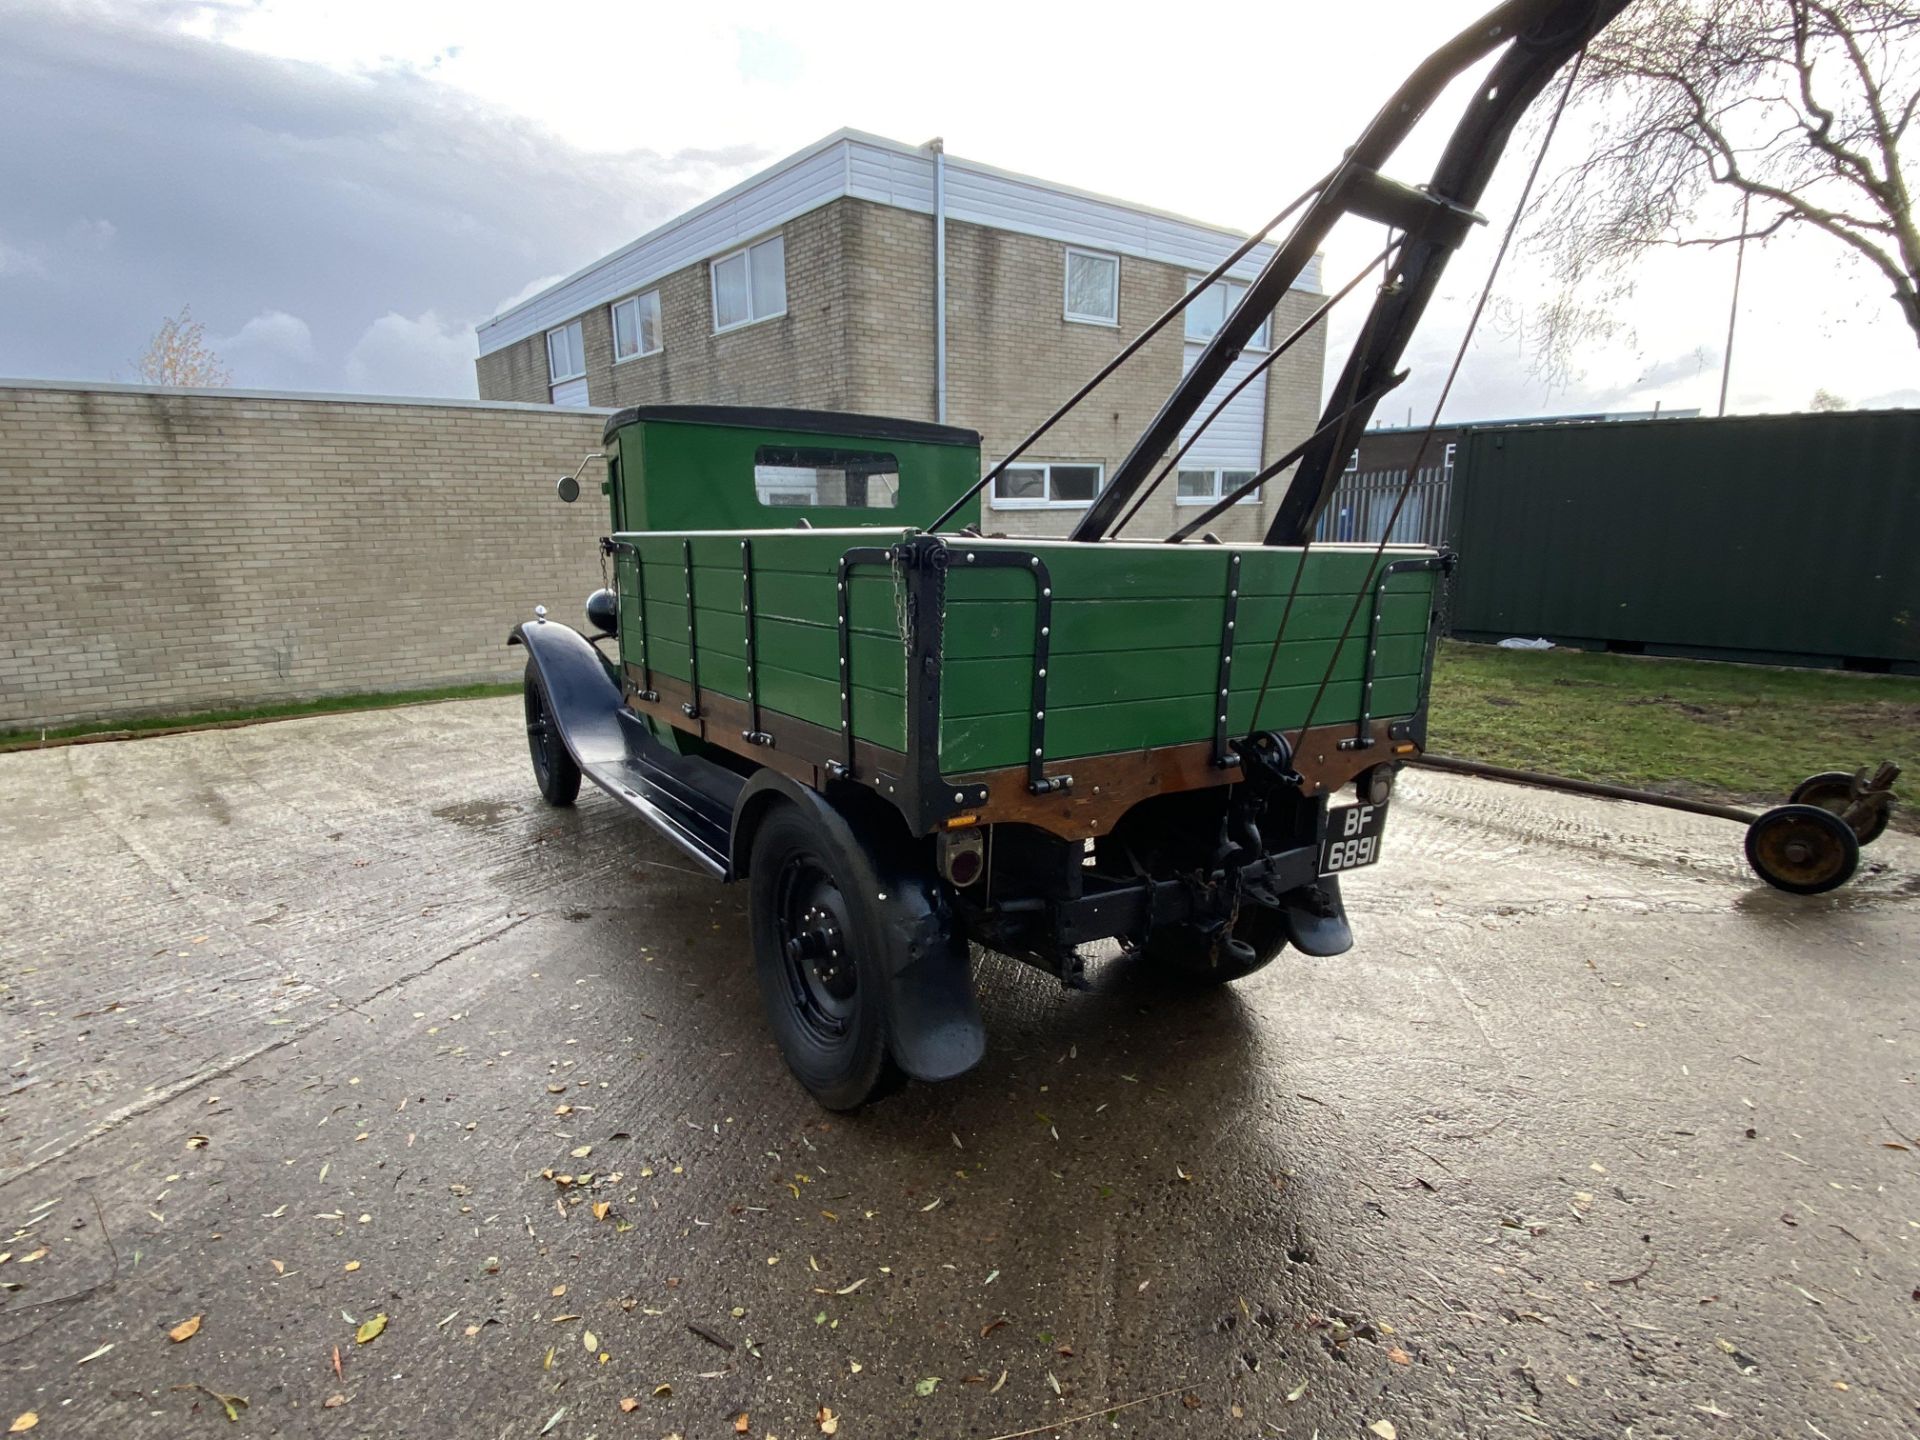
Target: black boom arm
1538,36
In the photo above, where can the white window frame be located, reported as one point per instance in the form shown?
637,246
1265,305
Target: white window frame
713,284
999,502
1262,338
1112,322
613,324
554,377
1219,491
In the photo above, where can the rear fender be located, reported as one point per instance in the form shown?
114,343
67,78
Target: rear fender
935,1027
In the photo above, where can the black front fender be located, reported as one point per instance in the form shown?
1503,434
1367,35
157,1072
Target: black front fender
582,695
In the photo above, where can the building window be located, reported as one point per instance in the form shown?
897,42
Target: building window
1093,287
1035,487
1208,312
806,475
1208,487
636,325
566,354
750,285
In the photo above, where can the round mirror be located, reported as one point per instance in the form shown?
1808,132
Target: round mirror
568,489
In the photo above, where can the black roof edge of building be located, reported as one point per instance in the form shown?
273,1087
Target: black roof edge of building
813,422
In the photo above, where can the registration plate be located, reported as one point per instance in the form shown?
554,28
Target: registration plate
1353,837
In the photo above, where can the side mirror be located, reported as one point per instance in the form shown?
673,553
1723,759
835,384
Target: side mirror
568,489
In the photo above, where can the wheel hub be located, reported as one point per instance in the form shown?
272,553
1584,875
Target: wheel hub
821,974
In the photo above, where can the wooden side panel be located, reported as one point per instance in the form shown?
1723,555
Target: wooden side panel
795,622
1136,644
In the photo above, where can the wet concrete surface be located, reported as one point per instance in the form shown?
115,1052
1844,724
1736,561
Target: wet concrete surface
305,1024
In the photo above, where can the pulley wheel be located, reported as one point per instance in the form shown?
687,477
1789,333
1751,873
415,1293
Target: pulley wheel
1833,790
1802,849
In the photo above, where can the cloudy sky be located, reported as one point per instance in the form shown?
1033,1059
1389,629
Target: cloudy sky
342,190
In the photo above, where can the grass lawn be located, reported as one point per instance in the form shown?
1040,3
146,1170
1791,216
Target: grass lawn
249,715
1726,732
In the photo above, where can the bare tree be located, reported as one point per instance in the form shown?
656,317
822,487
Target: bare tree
178,355
1715,121
1827,403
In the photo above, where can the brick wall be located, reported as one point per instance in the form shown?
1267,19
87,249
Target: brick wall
166,552
859,335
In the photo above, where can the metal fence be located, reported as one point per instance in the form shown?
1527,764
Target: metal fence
1364,503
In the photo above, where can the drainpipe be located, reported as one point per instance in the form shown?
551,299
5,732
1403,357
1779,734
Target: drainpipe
939,149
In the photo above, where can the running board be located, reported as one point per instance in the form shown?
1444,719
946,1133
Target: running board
688,799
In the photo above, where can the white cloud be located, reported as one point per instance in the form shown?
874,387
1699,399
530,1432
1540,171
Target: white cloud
421,355
527,292
16,262
273,334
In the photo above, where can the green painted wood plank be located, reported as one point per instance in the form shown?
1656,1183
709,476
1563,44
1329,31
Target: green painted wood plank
979,629
1121,677
992,742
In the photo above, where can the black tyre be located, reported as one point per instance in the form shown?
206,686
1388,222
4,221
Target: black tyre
553,768
1192,955
1833,790
816,949
1802,849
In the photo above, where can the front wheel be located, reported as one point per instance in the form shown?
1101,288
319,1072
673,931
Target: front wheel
819,965
553,768
1190,954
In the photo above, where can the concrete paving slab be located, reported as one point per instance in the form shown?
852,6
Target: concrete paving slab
305,1024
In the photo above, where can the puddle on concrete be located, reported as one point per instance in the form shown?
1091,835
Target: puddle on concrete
478,813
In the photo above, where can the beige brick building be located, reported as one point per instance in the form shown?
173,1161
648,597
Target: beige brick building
816,284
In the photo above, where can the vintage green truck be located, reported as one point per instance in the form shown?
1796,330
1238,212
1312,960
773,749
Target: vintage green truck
812,672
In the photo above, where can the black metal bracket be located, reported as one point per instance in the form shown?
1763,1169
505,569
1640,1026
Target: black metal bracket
753,734
1444,563
1414,210
1224,757
1038,781
611,546
843,598
691,709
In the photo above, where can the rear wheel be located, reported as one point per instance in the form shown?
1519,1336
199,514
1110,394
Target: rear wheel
1833,790
553,768
821,970
1190,954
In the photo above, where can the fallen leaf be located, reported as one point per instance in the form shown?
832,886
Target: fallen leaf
1398,1356
926,1387
279,1266
849,1289
351,1266
557,1291
95,1355
1384,1429
370,1329
994,1389
628,1404
196,1142
828,1422
24,1423
741,1424
333,1402
1297,1391
589,1341
602,1208
582,1152
991,1326
553,1420
185,1330
661,1392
